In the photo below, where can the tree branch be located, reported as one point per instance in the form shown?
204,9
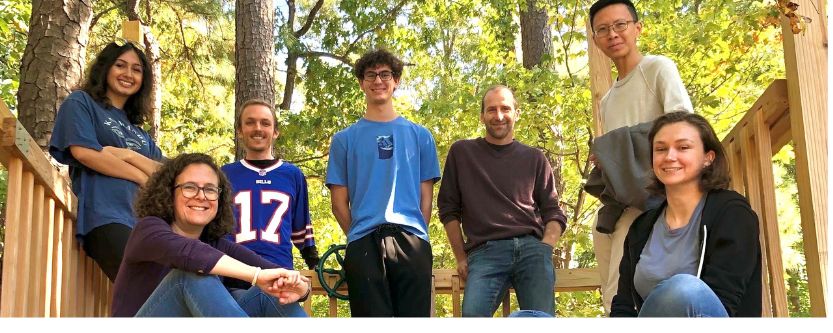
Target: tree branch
307,159
310,19
393,11
188,50
343,59
102,13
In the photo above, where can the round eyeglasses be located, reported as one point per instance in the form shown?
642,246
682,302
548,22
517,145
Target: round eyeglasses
191,190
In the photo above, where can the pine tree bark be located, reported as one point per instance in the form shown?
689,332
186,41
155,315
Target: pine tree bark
536,37
53,62
254,56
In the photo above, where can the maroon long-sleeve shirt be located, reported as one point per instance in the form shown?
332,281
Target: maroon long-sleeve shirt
153,249
498,193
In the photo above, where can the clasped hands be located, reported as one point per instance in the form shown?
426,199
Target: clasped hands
287,286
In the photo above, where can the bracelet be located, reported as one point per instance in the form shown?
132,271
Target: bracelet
309,291
254,279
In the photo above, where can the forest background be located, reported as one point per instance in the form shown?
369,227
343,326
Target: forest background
727,53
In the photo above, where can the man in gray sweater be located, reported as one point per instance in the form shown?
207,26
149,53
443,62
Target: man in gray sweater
502,193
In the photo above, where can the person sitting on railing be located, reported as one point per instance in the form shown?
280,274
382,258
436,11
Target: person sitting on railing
176,254
98,134
698,254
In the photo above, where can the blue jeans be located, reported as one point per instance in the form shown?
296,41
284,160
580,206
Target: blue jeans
529,314
523,262
682,295
185,294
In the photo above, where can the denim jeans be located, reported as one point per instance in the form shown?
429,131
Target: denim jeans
523,262
682,295
185,294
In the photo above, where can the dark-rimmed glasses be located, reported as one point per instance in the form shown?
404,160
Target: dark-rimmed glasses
603,31
191,190
384,75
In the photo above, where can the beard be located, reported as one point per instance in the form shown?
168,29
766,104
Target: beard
500,133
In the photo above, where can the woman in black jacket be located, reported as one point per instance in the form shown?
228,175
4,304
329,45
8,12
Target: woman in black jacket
703,259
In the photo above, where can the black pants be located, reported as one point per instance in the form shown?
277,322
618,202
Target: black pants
105,244
389,274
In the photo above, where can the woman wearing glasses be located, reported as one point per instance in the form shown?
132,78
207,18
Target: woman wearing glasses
176,255
698,254
98,134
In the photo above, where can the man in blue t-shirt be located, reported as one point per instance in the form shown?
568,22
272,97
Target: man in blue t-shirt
381,174
270,195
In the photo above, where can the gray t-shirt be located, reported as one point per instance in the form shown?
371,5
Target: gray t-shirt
668,252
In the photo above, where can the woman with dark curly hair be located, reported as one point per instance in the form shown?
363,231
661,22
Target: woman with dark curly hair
97,133
176,255
698,254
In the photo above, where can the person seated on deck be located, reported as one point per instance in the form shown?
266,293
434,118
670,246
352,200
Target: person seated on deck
698,254
98,134
177,256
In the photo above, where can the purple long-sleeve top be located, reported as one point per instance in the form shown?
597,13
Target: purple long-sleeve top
153,249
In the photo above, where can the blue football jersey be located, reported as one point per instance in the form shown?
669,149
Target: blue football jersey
271,208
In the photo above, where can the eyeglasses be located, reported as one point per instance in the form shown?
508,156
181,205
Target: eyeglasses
619,26
384,75
190,191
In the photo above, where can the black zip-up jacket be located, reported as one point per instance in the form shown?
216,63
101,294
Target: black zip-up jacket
730,262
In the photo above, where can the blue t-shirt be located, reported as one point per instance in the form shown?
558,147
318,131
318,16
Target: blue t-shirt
382,164
271,208
81,121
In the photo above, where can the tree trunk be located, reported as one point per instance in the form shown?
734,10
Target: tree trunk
536,37
53,62
151,47
254,55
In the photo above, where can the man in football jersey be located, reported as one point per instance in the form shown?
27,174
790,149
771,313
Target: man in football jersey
269,194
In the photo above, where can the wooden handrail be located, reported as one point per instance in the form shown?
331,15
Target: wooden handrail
45,274
448,282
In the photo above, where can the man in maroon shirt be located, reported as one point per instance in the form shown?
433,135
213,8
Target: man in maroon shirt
502,193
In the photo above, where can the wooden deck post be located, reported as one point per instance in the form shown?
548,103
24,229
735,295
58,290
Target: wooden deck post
805,58
600,78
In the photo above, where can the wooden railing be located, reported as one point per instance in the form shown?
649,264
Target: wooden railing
448,282
45,273
750,145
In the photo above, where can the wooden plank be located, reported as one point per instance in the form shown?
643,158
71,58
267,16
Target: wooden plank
507,302
600,78
89,287
768,215
49,258
132,31
805,61
36,255
12,137
12,254
68,268
23,268
753,194
456,306
58,258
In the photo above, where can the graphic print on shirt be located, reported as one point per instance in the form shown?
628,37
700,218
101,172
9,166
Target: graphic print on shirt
135,142
384,143
271,233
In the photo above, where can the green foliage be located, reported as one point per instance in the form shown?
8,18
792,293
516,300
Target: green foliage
727,53
14,27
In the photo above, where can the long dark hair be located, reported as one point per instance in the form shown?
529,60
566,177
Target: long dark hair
713,176
157,197
137,106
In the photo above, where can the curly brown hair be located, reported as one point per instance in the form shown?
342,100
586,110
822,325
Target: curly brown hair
157,197
714,176
375,58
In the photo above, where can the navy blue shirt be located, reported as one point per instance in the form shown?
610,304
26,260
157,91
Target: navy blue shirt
81,121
